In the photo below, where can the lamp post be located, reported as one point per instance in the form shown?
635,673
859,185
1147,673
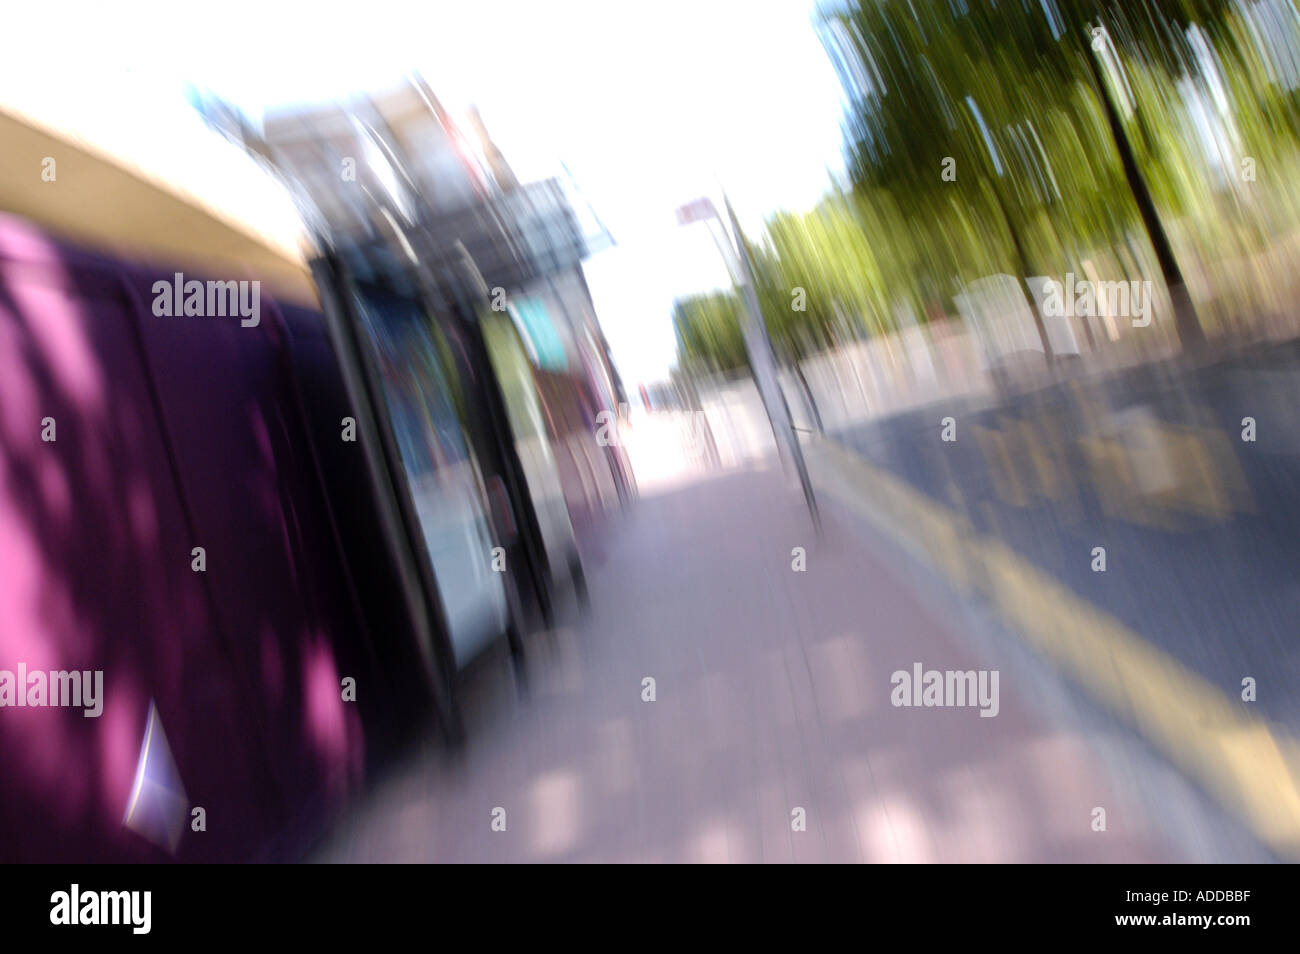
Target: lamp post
757,344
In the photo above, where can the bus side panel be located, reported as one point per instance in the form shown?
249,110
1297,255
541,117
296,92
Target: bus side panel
95,575
395,701
244,456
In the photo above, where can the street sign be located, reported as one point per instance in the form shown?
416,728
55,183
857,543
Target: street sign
696,211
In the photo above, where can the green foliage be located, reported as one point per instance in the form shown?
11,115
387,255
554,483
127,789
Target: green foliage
708,332
1005,97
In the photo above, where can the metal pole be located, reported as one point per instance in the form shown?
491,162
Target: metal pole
763,364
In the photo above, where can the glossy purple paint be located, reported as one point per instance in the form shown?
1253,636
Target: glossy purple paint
172,433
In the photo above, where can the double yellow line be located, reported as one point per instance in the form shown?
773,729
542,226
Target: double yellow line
1251,767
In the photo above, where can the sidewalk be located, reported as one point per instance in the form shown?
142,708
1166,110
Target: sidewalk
772,693
1192,613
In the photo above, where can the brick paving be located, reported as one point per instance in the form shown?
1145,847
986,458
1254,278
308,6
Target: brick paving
772,692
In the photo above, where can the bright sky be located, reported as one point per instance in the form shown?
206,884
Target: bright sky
648,104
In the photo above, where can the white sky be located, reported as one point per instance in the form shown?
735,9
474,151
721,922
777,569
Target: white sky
648,104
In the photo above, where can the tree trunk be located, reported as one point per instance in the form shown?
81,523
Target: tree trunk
1186,323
